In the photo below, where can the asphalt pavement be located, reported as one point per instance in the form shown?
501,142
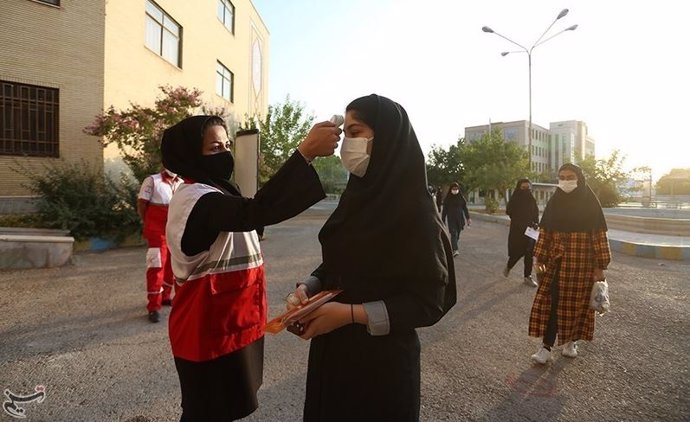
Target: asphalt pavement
81,332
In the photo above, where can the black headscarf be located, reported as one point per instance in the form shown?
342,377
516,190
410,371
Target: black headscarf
181,149
386,223
520,199
577,211
454,201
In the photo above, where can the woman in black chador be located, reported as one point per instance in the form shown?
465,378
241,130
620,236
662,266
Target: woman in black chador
386,247
455,214
523,211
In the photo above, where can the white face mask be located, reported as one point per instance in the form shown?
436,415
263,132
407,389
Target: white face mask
455,191
353,153
567,186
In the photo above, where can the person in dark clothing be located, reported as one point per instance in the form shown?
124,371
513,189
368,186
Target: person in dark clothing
523,211
219,309
386,247
439,198
455,213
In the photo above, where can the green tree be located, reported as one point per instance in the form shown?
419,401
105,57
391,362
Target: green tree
332,173
283,128
605,177
444,166
491,163
676,182
137,131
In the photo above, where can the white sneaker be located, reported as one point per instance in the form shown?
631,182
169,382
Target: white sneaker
570,349
530,281
542,356
506,271
456,253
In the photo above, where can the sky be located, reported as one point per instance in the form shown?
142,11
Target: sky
624,71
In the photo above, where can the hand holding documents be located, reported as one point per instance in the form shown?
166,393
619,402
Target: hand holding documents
290,317
533,233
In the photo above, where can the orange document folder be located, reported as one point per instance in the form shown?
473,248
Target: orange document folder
280,322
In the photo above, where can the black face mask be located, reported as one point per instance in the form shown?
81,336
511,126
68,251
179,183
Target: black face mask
218,166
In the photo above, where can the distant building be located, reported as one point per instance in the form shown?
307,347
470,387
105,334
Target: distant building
563,142
63,61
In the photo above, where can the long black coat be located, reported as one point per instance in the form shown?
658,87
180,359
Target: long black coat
523,212
455,212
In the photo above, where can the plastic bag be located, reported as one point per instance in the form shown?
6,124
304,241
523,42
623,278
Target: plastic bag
599,300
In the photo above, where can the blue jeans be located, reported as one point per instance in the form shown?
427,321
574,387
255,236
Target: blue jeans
454,238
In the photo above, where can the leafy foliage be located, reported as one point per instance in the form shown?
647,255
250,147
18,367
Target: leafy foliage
137,131
283,128
605,177
677,182
80,199
332,173
491,163
444,167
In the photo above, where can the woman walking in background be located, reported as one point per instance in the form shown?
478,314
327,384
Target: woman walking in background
455,213
572,253
523,211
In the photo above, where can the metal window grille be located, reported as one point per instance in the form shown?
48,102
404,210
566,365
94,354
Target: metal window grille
29,120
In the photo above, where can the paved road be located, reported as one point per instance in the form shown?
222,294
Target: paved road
81,331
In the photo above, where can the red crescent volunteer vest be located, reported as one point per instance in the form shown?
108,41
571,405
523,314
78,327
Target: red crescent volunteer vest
220,297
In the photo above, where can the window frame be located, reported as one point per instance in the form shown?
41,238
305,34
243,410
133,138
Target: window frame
28,113
163,29
223,78
226,5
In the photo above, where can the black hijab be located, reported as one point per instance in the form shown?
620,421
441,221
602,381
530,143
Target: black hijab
577,211
181,149
454,201
386,224
520,200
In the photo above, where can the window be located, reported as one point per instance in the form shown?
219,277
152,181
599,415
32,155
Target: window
53,2
28,120
226,14
224,80
163,34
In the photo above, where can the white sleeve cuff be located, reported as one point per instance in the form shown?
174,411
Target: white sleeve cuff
377,314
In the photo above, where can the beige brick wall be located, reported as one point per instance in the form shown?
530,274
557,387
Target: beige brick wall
59,47
133,72
94,53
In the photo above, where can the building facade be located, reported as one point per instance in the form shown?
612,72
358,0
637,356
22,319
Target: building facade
51,77
62,62
563,142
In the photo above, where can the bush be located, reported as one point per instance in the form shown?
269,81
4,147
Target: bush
21,220
80,199
491,205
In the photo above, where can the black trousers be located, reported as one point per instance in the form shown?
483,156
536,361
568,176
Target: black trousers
552,326
529,262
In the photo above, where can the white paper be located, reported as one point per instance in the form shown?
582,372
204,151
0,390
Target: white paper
530,232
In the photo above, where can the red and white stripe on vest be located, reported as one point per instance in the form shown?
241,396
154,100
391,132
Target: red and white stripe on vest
220,301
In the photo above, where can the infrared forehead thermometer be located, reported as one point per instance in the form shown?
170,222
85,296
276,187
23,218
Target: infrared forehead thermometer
337,119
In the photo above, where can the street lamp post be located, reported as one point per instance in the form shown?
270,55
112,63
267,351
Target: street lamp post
529,63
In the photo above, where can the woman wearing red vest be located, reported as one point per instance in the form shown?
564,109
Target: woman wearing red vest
216,323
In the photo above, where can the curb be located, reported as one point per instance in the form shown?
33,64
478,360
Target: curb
675,253
644,250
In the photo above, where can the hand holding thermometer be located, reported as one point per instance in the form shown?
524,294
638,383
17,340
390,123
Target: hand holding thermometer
337,119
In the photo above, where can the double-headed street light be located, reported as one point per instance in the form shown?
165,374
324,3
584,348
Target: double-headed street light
524,49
